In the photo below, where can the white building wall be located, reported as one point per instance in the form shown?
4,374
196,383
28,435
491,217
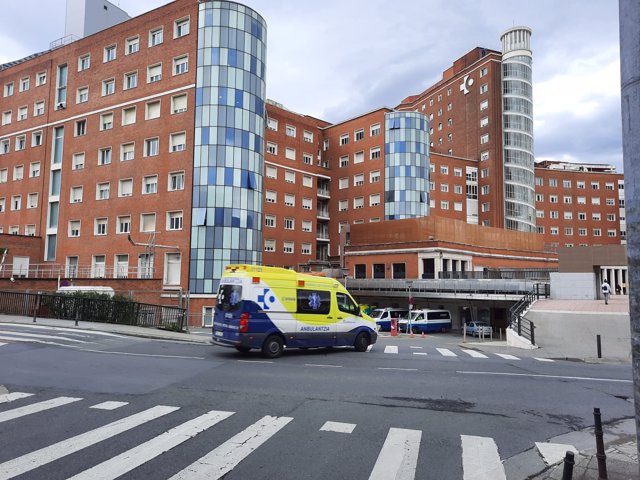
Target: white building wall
86,17
573,286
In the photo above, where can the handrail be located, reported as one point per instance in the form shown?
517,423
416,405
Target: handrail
517,321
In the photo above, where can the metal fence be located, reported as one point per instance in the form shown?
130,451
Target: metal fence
89,309
441,286
517,321
52,270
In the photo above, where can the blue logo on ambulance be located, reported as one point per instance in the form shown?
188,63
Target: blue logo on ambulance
265,299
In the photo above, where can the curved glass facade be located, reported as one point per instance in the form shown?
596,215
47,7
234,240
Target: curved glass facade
229,136
406,165
517,122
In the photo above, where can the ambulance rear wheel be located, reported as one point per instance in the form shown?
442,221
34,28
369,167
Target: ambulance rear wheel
272,347
362,342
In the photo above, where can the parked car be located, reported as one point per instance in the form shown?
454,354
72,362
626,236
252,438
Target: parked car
479,328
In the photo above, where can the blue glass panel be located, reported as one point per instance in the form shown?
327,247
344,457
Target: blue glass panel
199,96
239,97
228,176
201,216
211,176
232,57
386,149
219,216
259,107
245,139
251,180
215,56
235,218
249,222
204,136
258,144
407,171
396,171
222,96
229,136
254,65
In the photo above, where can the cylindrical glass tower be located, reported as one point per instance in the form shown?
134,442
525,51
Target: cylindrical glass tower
406,165
517,123
229,132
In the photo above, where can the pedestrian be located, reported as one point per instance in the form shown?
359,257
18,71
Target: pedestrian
606,291
618,289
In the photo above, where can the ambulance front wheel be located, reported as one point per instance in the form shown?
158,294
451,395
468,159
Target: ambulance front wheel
362,342
272,347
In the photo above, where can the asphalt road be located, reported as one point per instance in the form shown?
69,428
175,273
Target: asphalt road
430,408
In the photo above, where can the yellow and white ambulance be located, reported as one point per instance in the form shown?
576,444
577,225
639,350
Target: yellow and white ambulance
270,308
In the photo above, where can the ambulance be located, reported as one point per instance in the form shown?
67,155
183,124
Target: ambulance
270,308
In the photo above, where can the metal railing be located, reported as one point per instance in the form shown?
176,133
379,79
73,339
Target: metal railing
440,286
51,270
517,321
89,309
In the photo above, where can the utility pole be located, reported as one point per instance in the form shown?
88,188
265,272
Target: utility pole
630,90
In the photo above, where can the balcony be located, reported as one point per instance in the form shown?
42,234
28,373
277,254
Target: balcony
323,192
323,214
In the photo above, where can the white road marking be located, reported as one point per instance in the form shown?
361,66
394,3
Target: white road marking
2,343
474,354
127,461
36,407
321,365
480,459
338,427
403,369
36,459
109,405
593,379
254,361
415,347
127,354
33,340
369,347
39,335
391,349
399,455
507,356
217,463
445,352
543,359
10,397
63,329
553,453
420,353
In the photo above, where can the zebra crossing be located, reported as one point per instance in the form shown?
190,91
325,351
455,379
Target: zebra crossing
463,352
397,458
55,336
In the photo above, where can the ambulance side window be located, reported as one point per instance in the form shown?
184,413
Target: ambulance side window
313,301
229,297
345,304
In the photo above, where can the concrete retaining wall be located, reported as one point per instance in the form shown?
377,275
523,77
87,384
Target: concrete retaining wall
573,286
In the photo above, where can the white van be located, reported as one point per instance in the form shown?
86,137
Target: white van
87,288
423,321
383,317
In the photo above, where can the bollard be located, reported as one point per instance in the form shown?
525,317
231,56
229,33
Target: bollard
600,455
599,346
567,471
37,307
464,332
394,327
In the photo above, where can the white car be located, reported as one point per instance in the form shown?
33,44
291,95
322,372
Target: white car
479,328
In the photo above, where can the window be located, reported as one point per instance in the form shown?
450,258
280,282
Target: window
272,148
2,204
553,214
554,230
595,185
374,129
22,113
269,245
34,169
74,228
344,161
6,117
374,153
129,116
358,202
8,89
611,233
271,196
289,223
343,183
5,146
580,184
125,187
553,198
307,136
18,172
307,181
290,131
271,172
609,186
174,220
104,156
76,194
611,202
358,135
131,45
38,108
568,215
582,232
611,217
270,221
344,139
152,110
358,180
568,231
306,225
21,142
343,205
289,200
483,72
595,200
41,78
16,202
484,139
102,191
81,128
567,200
444,187
32,200
151,147
181,27
124,224
149,184
147,222
154,73
457,206
178,142
77,162
127,151
484,121
539,197
109,53
582,216
130,80
307,203
484,190
374,176
289,176
287,247
444,205
597,232
566,183
457,189
272,124
484,88
108,87
305,249
486,207
180,65
374,199
358,157
484,105
155,37
106,121
582,200
176,181
290,153
179,103
596,217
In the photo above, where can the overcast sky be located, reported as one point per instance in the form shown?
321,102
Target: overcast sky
336,59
